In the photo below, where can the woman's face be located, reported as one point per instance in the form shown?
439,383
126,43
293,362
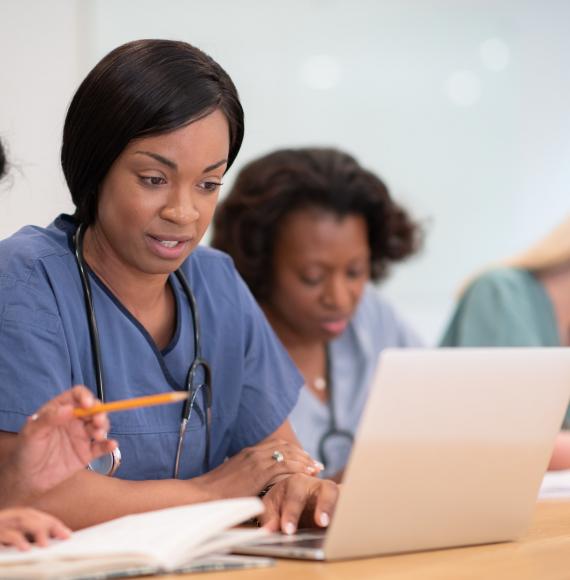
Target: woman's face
159,196
321,265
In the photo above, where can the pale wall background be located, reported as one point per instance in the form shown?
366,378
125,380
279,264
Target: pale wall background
462,106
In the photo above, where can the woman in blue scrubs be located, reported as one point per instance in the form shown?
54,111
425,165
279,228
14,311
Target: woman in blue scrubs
147,140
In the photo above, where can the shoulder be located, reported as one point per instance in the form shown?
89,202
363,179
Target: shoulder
206,258
211,267
207,253
499,278
373,308
502,285
23,253
212,273
499,308
376,316
34,276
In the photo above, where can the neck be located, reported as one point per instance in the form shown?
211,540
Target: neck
136,290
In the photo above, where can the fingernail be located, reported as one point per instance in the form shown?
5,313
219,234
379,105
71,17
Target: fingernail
319,465
289,528
324,519
311,469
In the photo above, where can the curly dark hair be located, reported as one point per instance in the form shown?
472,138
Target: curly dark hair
267,189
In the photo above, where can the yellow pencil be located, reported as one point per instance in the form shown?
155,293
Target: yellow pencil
151,400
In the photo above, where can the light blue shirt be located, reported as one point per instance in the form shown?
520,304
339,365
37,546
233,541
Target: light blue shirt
45,349
354,356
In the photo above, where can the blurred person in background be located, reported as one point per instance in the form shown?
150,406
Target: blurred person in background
310,230
521,302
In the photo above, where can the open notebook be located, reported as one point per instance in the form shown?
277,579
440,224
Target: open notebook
160,541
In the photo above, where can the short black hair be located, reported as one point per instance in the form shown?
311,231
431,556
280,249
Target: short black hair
142,88
266,190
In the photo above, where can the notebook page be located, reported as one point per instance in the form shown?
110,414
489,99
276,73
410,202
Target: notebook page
228,539
164,538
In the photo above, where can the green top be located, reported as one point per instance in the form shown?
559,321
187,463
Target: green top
504,307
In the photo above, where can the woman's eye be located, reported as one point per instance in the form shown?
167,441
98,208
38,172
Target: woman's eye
210,186
311,280
153,180
355,274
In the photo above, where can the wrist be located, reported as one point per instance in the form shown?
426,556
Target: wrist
205,488
16,489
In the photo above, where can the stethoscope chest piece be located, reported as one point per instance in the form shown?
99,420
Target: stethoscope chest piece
107,464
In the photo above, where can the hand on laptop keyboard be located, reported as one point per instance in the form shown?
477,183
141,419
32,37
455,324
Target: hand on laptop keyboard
299,499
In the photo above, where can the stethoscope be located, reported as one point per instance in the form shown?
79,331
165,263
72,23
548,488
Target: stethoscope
108,464
333,431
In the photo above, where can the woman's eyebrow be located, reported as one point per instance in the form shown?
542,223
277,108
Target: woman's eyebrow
160,159
215,165
172,164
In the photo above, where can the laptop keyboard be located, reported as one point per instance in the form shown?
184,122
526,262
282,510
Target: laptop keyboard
311,543
302,539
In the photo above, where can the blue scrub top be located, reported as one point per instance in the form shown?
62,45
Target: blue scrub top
45,349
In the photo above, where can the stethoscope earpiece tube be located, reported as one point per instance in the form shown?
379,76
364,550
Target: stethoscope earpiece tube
115,455
91,320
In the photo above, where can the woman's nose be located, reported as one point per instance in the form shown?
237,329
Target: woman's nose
180,208
338,294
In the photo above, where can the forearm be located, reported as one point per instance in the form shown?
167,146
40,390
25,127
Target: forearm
89,498
285,431
561,454
14,490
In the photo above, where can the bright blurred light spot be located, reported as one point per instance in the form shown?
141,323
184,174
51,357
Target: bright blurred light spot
321,72
495,54
463,88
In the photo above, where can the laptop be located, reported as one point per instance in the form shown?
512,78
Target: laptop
451,451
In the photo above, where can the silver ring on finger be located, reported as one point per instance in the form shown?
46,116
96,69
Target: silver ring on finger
277,456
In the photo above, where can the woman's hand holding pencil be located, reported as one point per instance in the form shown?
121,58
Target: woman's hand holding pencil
54,443
65,435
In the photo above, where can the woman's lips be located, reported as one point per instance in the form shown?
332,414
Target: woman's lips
335,326
168,249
